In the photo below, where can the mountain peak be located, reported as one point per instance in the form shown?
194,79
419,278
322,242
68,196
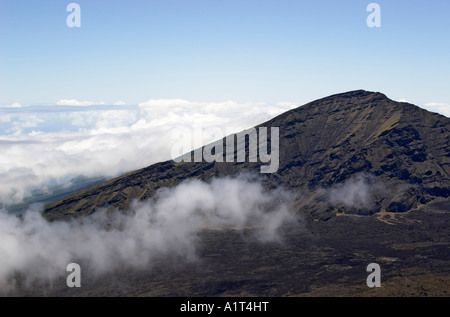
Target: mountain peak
359,97
359,93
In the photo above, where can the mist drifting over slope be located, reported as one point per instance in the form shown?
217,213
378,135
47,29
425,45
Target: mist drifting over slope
357,192
166,225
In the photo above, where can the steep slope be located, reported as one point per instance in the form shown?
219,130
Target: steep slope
398,151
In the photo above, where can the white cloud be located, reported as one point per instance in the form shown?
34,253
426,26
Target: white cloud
120,103
357,192
30,122
14,105
228,113
439,107
166,225
403,100
115,119
49,146
74,102
162,103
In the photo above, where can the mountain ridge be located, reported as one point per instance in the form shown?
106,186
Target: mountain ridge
325,142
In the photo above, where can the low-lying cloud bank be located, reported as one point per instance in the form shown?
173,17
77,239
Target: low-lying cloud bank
47,145
166,225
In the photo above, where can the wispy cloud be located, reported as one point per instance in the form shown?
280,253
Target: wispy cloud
166,225
357,192
74,102
14,105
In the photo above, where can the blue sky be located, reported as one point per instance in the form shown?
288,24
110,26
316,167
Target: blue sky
245,50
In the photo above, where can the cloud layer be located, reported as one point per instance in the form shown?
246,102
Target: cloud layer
34,250
14,105
74,102
42,145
